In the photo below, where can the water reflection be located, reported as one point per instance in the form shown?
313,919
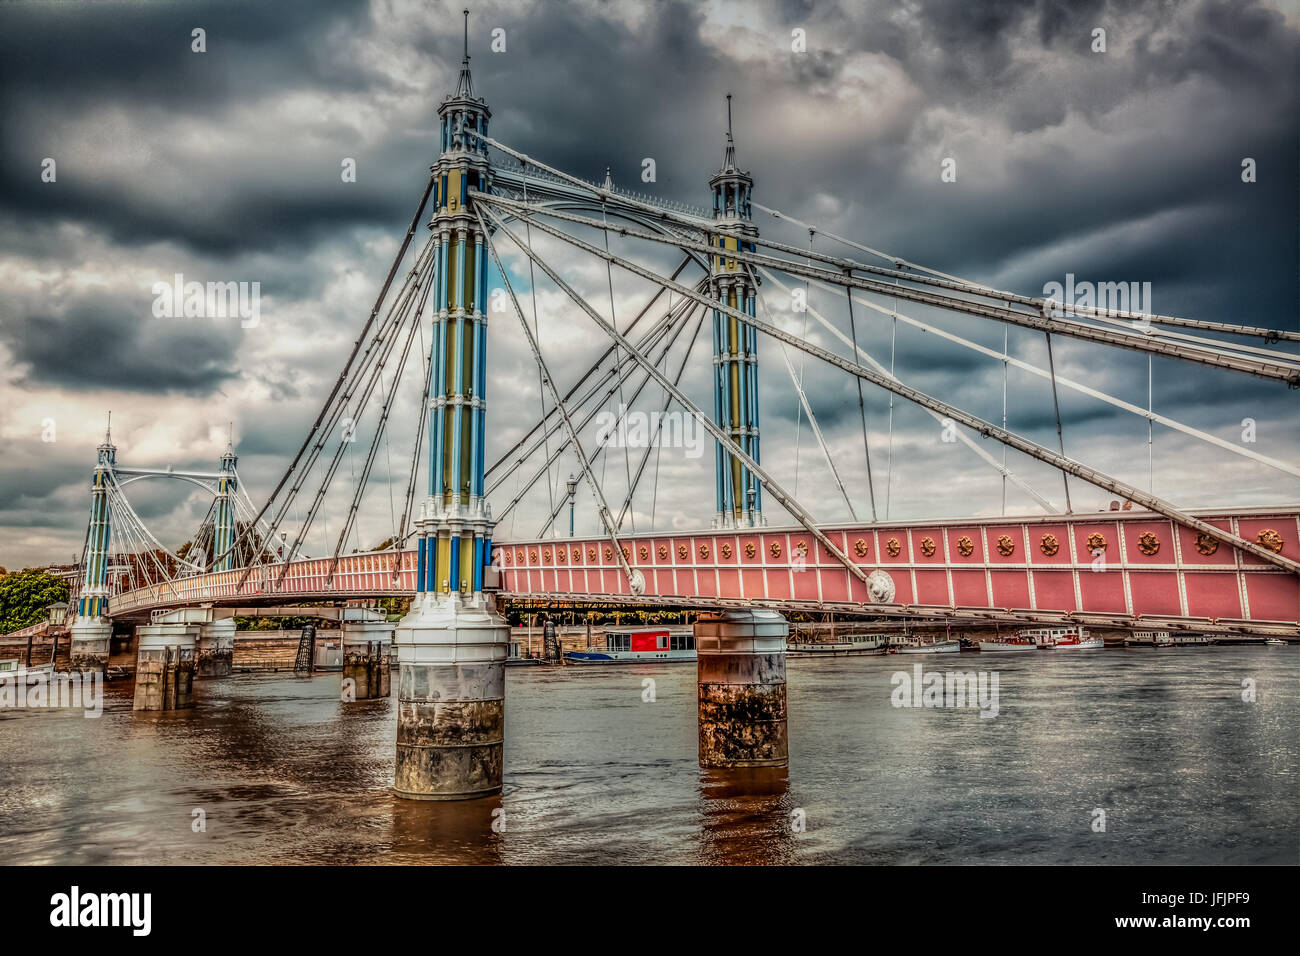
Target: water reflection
746,816
284,771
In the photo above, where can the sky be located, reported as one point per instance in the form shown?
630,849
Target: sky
1122,164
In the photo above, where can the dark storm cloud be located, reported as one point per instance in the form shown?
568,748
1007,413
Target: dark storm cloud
95,344
1116,166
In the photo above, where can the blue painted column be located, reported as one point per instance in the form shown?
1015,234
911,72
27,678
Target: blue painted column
92,629
451,646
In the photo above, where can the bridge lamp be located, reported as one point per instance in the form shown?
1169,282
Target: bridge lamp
573,491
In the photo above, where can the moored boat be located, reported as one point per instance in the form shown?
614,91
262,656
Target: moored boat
631,645
1013,643
916,644
1072,637
1150,639
847,645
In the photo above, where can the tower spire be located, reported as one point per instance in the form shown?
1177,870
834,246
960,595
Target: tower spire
729,157
464,87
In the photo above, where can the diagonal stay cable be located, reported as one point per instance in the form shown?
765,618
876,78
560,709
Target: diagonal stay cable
652,336
949,282
1279,370
649,340
652,443
1079,470
782,497
388,338
347,366
336,404
660,290
635,579
381,425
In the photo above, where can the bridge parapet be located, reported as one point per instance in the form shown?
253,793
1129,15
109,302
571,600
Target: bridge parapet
1125,565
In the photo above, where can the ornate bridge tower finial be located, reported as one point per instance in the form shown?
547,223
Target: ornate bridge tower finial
735,344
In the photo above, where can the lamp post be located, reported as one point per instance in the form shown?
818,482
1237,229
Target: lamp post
573,490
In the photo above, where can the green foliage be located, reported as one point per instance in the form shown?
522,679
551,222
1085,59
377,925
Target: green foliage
24,596
281,623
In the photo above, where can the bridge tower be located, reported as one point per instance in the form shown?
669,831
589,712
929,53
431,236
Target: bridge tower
92,630
735,346
451,647
741,653
223,521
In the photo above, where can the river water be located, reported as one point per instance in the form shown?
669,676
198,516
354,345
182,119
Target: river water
282,771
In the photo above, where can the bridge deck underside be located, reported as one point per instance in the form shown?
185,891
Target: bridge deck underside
1108,568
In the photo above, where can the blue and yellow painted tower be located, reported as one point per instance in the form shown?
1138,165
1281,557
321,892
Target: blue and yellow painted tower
92,629
456,527
223,521
735,345
93,602
452,644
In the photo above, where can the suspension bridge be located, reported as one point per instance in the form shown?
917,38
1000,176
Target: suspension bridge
1146,562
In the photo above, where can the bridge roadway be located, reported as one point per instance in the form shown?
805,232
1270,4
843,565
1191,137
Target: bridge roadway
1108,568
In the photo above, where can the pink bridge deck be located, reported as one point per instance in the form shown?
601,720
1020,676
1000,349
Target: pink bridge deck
1147,570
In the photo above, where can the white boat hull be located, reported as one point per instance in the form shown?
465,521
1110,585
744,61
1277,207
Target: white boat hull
1086,642
941,647
1000,646
601,655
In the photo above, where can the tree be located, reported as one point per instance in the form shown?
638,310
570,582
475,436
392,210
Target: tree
24,596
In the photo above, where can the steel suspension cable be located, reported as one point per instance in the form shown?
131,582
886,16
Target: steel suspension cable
781,496
1079,470
1041,321
383,293
591,370
635,580
941,280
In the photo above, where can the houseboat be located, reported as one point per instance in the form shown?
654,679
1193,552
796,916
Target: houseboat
847,645
1041,639
1064,637
630,645
917,644
1149,639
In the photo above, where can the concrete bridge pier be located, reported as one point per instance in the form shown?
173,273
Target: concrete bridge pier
366,657
451,652
164,669
742,697
89,649
215,652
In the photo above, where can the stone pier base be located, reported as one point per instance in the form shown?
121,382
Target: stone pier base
90,639
451,693
366,660
164,670
742,698
215,652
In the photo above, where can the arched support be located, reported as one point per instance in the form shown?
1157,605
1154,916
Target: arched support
742,693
